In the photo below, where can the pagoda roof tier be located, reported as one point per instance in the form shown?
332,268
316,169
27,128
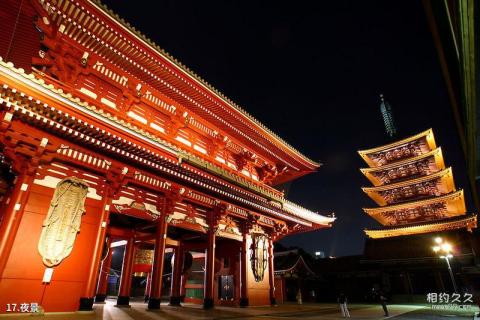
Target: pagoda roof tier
41,105
449,205
462,222
98,30
418,166
433,185
410,147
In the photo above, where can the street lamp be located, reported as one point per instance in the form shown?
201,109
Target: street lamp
445,249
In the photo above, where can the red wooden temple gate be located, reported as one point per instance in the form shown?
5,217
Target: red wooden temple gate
104,137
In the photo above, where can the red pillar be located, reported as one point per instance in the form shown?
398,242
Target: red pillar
271,273
175,298
244,270
123,299
13,215
86,301
208,295
157,269
103,277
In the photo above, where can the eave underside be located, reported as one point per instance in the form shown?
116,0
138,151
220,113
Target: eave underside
469,223
428,145
432,161
28,114
449,205
435,184
138,56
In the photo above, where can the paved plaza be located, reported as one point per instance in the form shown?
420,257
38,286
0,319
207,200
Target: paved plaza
138,311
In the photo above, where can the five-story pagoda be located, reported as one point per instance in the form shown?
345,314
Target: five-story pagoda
415,192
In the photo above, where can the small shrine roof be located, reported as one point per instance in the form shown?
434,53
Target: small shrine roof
290,261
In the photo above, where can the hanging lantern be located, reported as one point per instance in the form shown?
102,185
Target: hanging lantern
259,255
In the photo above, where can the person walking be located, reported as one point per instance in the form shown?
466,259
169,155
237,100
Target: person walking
299,296
382,298
342,301
383,302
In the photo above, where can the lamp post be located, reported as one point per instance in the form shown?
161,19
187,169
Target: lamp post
445,249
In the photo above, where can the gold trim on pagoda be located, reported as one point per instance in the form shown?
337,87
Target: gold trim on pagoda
373,173
429,144
414,191
469,223
442,182
450,205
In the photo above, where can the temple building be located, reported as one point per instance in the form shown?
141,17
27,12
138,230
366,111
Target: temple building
413,189
107,141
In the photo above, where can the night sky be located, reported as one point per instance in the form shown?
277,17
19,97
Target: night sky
312,72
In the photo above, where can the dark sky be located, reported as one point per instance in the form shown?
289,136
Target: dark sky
312,71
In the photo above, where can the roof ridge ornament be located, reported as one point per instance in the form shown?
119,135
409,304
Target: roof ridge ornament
387,114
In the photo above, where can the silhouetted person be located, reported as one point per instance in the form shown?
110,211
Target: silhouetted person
342,301
383,302
382,298
299,296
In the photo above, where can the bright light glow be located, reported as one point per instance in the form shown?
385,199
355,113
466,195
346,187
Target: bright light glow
444,248
447,247
118,243
318,253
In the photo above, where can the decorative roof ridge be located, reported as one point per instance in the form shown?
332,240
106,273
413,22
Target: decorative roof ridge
399,142
384,187
286,203
403,162
448,196
164,144
285,253
115,17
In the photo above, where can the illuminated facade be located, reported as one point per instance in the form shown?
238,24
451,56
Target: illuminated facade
104,137
413,189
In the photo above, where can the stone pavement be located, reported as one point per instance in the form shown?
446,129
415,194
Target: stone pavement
293,311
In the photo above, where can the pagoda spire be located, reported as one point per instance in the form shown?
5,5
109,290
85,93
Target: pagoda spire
387,114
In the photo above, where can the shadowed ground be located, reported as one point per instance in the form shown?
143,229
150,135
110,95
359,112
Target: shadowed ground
285,311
